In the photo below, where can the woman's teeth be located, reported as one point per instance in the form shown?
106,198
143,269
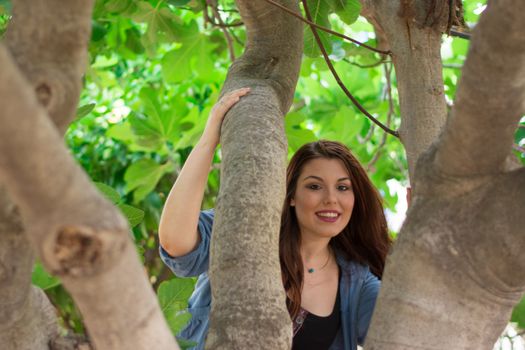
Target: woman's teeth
328,215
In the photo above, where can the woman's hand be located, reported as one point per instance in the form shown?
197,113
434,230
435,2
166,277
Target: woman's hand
213,125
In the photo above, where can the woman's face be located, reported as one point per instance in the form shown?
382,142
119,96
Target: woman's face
323,198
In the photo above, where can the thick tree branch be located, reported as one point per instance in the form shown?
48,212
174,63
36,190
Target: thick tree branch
77,233
56,79
417,61
490,97
39,34
244,247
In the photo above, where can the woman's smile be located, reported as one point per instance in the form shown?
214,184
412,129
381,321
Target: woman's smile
328,215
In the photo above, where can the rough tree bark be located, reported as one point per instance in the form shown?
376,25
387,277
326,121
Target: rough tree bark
56,80
248,308
77,234
456,270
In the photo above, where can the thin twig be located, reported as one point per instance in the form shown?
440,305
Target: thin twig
236,38
456,31
228,25
228,10
214,8
372,65
328,30
336,76
388,73
452,66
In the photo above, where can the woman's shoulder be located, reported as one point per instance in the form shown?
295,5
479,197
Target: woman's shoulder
353,268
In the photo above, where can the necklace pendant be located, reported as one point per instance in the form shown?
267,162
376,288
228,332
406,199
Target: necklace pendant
311,270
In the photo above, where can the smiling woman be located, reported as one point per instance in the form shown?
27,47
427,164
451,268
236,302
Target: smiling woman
332,245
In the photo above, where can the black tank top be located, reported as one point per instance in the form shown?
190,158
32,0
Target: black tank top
316,332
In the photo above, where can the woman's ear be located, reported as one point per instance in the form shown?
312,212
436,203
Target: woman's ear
292,202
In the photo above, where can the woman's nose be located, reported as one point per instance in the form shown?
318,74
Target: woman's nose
330,197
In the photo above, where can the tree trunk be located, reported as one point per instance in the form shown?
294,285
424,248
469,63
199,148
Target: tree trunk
248,307
27,320
456,270
78,235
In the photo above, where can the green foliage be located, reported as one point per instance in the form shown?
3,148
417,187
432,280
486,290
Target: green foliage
134,215
347,11
142,176
173,299
518,314
155,70
42,279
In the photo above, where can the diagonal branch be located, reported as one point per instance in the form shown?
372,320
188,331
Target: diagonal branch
77,233
489,99
56,78
338,79
328,30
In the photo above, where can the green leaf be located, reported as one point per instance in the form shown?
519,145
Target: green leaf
344,126
298,137
143,175
109,192
190,137
178,2
85,110
134,215
147,129
347,10
173,300
195,55
42,279
117,5
98,31
319,10
121,132
518,314
161,19
133,41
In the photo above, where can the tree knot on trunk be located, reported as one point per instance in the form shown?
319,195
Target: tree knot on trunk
436,14
43,93
81,251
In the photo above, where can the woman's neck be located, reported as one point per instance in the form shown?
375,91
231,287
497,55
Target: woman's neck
314,250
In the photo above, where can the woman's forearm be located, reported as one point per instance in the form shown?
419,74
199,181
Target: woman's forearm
178,232
178,223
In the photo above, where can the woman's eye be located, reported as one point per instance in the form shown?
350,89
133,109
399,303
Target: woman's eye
343,187
314,187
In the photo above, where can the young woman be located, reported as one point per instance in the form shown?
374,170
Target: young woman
333,240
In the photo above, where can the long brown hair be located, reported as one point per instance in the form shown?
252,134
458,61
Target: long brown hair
364,240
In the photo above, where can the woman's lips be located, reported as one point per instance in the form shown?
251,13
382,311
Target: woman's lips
327,216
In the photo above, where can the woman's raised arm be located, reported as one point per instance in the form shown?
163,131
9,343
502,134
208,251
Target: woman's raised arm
178,223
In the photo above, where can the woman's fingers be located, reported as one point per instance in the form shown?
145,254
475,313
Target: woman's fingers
219,110
228,100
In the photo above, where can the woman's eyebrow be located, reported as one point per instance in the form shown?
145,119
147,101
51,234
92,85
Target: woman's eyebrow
313,177
321,179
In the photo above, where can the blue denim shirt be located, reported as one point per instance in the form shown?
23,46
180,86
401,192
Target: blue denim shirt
358,290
